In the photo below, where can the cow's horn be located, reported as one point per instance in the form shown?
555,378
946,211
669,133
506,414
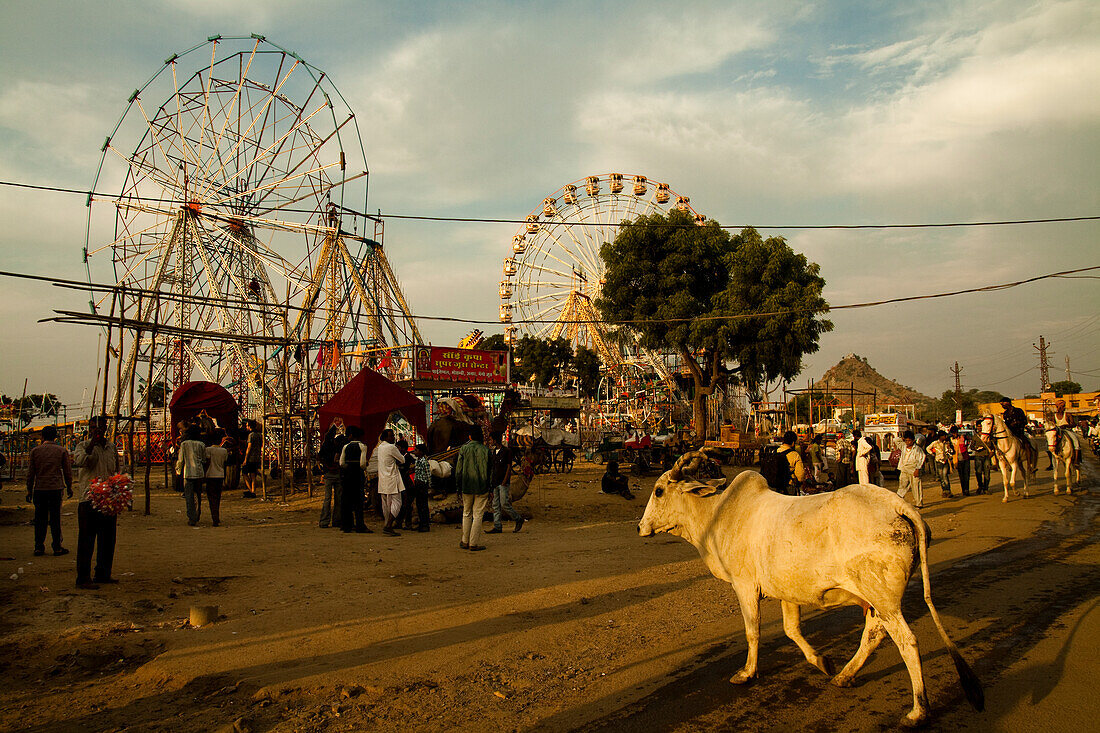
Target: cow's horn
677,472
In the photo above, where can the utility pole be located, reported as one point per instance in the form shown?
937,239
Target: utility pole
958,383
1069,377
1044,364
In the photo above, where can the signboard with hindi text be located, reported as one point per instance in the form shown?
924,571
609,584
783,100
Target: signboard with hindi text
471,366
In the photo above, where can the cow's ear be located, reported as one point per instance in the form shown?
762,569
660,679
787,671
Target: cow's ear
720,483
705,489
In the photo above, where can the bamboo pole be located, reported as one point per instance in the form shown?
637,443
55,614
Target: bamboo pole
263,425
107,357
149,418
118,364
307,420
133,379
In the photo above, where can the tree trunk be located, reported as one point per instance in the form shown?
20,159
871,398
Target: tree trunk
699,412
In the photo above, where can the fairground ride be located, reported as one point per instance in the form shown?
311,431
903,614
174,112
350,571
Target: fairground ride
237,245
554,274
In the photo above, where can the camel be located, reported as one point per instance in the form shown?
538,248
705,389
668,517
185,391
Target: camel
1007,450
1062,454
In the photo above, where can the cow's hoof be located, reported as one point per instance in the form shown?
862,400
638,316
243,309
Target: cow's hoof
1056,491
742,678
915,719
843,681
1004,500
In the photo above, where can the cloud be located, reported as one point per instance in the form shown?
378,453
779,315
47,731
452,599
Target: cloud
52,122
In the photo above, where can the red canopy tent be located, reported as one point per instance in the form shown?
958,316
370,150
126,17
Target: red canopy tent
367,400
194,398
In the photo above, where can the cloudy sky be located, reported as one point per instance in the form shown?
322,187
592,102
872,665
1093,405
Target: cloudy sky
764,113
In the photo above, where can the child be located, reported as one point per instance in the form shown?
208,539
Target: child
422,485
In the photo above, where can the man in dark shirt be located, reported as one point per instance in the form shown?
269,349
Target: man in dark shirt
49,470
501,478
614,482
1015,420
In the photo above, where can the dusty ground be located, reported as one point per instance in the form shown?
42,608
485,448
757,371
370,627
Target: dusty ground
574,623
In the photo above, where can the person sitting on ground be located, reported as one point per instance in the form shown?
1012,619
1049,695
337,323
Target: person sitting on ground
614,482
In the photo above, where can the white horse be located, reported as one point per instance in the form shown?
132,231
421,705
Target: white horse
1063,454
1007,450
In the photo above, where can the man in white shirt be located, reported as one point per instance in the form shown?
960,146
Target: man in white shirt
390,464
909,466
863,453
215,478
191,464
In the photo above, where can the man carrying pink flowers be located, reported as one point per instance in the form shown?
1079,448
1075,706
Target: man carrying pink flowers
96,459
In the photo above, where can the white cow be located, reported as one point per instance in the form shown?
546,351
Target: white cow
855,546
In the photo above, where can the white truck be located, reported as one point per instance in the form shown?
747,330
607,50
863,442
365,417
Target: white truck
887,427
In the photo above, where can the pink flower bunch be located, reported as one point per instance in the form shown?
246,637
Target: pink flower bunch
112,494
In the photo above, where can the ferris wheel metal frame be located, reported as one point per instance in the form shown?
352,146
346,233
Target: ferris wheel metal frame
232,222
555,272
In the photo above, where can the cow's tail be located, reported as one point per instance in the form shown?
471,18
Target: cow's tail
972,687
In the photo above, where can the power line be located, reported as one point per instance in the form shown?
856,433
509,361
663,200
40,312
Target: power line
505,220
474,321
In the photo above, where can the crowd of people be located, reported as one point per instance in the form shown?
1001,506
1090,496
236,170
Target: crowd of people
395,481
390,480
931,452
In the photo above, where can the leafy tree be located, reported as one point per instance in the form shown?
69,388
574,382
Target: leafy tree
540,361
799,406
493,343
586,364
26,409
158,395
1065,387
943,409
696,290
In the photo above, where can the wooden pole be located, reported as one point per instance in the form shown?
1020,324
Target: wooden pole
263,424
307,419
133,379
118,364
107,356
149,416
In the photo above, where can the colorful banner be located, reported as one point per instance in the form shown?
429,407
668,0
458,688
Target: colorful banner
461,365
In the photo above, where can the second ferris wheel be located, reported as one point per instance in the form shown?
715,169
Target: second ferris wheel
555,273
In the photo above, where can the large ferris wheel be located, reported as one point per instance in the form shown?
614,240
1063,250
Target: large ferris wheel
237,223
555,273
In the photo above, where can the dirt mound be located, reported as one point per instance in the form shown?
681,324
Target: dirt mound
853,370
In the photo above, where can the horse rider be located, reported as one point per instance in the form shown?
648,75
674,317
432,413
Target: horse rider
1067,425
1016,422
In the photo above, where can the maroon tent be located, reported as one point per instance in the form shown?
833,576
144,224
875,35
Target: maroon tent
193,398
367,400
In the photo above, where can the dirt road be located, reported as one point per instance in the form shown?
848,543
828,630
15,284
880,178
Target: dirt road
573,623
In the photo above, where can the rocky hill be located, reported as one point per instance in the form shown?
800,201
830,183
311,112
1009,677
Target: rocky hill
854,369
